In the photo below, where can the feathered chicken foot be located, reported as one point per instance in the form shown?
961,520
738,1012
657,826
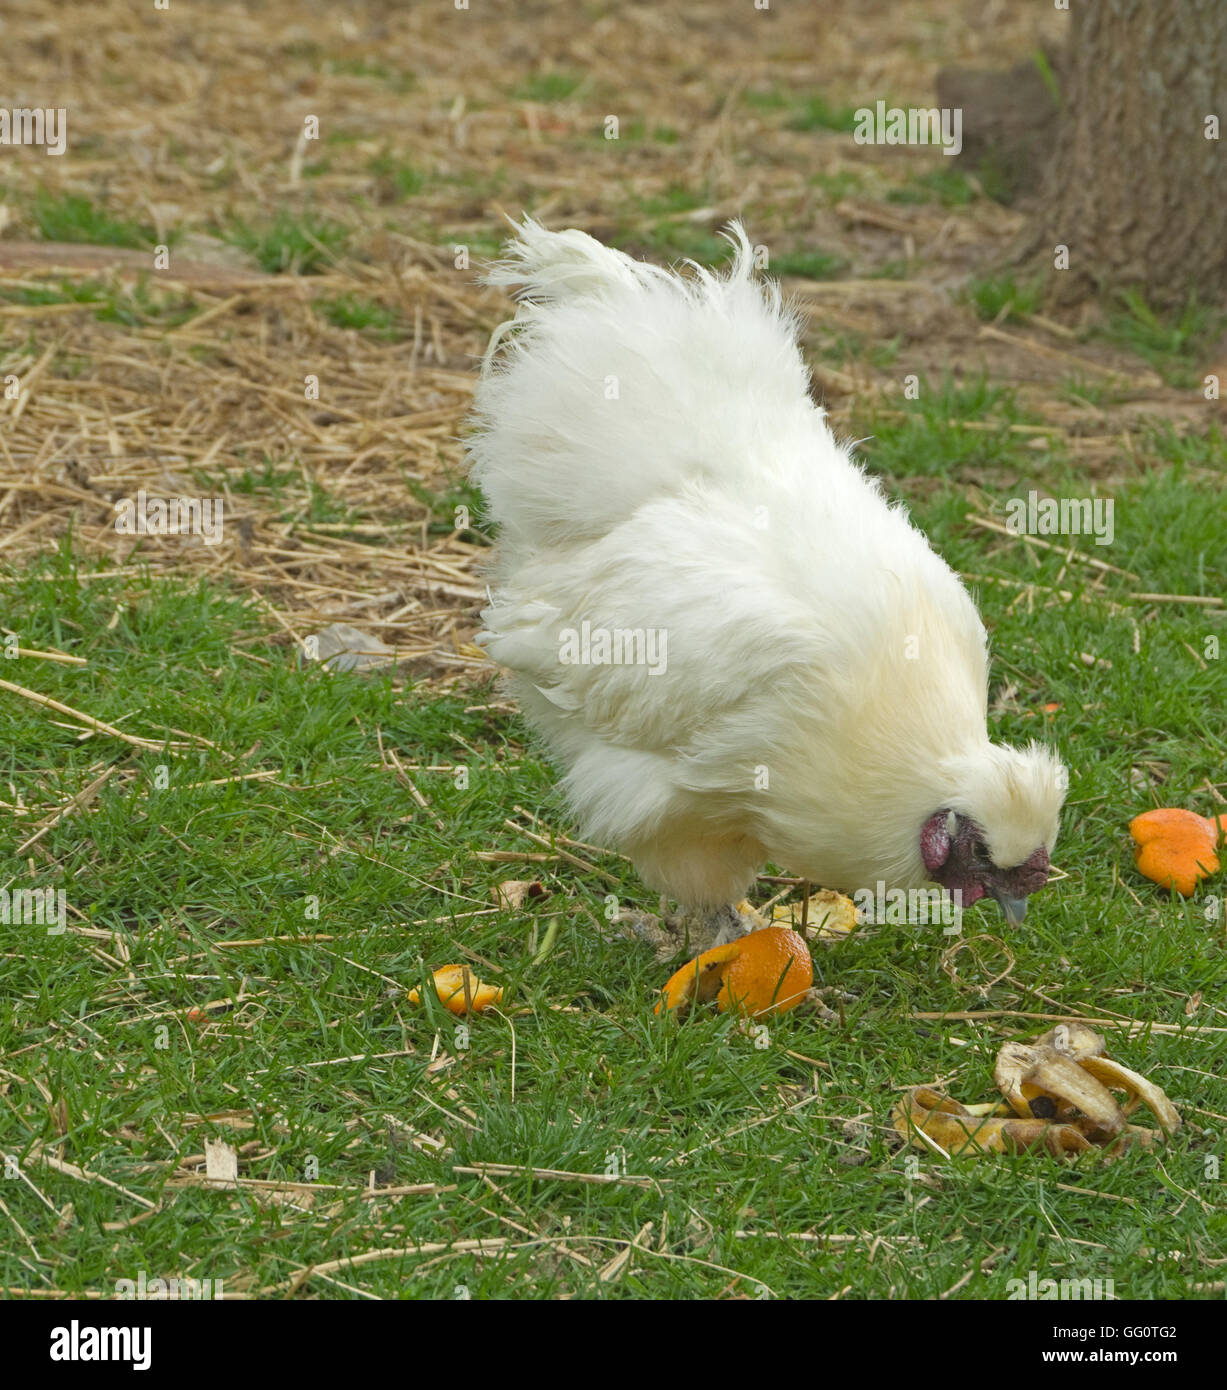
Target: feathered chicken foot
730,923
692,932
646,927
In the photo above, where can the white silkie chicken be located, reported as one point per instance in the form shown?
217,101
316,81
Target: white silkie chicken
734,645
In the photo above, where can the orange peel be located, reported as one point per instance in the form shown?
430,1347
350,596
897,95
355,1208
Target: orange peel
460,991
766,972
1176,848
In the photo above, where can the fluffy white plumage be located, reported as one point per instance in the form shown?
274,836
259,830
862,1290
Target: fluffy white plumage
647,444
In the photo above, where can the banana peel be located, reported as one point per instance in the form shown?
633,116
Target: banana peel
938,1123
1058,1097
1140,1089
1041,1083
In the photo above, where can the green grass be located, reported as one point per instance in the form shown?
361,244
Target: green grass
927,436
401,180
133,304
816,113
685,241
950,187
548,86
662,230
1172,343
270,478
674,241
365,67
74,217
63,292
1081,391
637,129
442,506
677,198
1044,68
766,98
481,244
837,186
291,243
1001,296
995,180
850,347
154,1037
365,315
812,265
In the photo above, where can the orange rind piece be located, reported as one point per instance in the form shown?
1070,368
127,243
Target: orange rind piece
766,972
1176,848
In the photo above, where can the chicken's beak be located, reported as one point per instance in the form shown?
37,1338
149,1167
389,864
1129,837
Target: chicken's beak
1014,909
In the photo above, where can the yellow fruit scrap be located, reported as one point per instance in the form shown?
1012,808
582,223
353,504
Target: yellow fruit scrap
829,916
1044,1083
461,991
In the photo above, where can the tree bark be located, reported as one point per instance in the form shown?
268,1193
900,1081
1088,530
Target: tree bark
1135,188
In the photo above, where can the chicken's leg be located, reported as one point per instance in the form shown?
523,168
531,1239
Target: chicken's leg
728,923
693,931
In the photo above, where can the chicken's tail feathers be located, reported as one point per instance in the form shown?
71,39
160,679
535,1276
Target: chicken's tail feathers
542,268
545,267
618,382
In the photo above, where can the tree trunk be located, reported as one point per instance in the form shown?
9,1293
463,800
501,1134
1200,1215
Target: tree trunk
1135,188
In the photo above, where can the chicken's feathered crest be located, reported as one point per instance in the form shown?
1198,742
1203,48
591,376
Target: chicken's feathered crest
1013,794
